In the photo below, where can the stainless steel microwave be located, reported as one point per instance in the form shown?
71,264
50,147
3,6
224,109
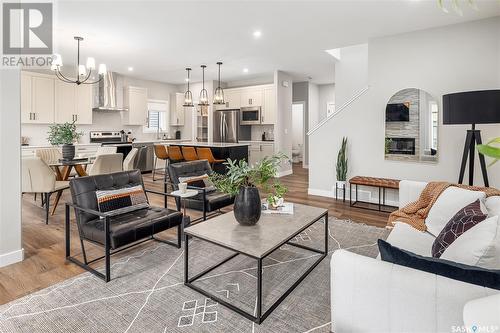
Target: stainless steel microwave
250,115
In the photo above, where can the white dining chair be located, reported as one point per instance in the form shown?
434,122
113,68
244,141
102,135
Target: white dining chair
38,177
106,163
103,150
129,162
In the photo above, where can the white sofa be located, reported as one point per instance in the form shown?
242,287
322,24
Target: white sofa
370,295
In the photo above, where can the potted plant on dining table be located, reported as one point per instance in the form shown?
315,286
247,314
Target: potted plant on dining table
243,181
65,135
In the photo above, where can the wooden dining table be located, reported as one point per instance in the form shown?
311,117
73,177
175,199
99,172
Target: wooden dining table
63,171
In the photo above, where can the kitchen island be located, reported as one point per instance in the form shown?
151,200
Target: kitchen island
221,150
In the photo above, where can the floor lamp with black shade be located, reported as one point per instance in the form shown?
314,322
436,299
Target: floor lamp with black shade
471,108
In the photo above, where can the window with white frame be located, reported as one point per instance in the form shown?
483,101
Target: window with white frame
157,116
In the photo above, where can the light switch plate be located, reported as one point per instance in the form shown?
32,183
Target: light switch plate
285,83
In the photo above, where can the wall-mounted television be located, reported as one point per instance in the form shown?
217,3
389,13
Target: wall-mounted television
397,112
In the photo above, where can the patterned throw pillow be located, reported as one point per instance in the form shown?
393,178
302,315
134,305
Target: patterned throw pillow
463,220
122,199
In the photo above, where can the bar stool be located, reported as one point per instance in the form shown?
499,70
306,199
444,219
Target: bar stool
189,154
162,154
206,154
174,154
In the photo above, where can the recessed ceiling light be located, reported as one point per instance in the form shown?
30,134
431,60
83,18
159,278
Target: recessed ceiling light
130,69
245,70
257,34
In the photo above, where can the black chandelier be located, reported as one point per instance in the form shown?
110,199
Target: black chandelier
82,72
203,93
219,93
188,96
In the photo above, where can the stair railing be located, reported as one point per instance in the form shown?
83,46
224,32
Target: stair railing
357,95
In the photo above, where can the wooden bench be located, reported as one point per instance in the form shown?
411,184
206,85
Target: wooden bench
381,183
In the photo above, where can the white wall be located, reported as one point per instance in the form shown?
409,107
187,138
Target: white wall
10,168
449,59
313,96
283,128
326,94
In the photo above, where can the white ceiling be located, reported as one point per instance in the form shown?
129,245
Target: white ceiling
159,39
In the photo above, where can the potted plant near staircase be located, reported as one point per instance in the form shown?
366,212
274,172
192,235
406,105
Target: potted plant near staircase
65,135
341,167
243,181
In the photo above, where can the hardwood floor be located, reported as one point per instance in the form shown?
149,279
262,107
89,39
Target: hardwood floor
44,263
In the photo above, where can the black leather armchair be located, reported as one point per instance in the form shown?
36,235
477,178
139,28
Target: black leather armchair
115,232
207,201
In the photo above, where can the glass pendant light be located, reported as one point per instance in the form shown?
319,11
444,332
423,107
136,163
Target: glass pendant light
219,93
203,93
188,96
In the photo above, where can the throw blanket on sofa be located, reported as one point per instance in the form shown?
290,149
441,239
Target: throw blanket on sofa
416,212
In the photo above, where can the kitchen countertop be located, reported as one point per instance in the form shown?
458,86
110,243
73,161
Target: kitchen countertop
212,144
269,142
98,144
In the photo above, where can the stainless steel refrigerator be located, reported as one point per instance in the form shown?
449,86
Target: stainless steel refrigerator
226,125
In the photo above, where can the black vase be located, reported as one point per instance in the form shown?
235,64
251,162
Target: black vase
247,206
68,152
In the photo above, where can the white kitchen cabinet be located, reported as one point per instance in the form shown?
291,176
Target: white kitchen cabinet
268,110
42,102
232,97
257,151
267,149
73,103
65,105
136,101
251,97
45,100
84,104
37,98
254,154
177,111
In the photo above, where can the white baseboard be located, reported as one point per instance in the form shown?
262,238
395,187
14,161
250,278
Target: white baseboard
285,173
11,257
363,195
321,193
305,166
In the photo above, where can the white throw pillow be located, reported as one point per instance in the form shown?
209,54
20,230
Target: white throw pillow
493,205
447,205
478,246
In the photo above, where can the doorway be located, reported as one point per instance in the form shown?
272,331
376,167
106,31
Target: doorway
298,132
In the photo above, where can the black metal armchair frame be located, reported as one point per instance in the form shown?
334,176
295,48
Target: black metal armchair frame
107,243
206,215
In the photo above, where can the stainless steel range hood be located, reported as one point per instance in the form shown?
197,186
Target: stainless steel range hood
107,98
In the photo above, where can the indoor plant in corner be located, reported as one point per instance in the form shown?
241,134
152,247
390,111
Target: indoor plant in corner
65,135
243,181
341,166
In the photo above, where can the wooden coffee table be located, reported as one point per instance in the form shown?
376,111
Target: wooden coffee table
257,242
